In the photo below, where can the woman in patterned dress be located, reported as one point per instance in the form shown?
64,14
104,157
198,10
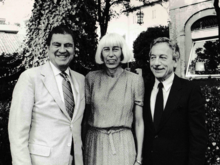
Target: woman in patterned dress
115,98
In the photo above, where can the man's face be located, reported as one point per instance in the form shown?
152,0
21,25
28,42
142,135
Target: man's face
161,61
61,50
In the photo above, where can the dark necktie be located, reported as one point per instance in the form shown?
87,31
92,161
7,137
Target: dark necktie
67,94
158,106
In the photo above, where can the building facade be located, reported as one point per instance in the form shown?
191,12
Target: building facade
139,19
193,25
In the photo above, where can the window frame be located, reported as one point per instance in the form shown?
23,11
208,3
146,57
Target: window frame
191,58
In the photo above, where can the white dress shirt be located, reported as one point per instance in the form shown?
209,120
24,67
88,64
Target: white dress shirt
166,90
59,80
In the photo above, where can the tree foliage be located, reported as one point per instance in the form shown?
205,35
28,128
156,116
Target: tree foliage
11,66
105,10
147,3
209,55
141,47
152,2
211,92
79,15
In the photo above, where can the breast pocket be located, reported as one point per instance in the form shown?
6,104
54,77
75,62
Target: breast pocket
39,150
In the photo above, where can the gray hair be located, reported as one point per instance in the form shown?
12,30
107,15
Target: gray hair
113,39
173,45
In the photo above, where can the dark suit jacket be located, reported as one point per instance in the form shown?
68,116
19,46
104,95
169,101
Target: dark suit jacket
181,138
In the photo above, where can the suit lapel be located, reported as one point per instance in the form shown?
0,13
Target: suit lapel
172,101
50,83
147,105
78,96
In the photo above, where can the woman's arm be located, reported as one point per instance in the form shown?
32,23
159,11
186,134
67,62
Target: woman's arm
85,121
139,131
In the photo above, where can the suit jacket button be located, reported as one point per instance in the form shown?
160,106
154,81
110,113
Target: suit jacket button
156,136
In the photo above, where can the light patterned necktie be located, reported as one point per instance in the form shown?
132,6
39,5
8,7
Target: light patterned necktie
67,94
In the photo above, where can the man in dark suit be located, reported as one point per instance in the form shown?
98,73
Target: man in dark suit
175,132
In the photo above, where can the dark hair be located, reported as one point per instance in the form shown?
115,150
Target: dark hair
61,29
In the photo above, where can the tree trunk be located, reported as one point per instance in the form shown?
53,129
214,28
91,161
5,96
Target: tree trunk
103,17
103,30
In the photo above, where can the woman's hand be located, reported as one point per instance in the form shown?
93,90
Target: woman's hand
139,132
137,163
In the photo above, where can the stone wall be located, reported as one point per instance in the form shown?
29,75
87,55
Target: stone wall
179,17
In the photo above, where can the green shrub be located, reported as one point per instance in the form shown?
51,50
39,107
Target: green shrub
211,91
4,142
141,48
11,66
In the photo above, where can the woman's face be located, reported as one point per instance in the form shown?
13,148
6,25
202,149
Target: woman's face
112,56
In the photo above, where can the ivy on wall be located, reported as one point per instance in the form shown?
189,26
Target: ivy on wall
77,15
211,92
11,66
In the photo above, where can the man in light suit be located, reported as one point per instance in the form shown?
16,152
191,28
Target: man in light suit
42,131
174,114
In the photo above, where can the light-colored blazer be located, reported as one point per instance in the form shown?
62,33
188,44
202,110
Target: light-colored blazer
40,129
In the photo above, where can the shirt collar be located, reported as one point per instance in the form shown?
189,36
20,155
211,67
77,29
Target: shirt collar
56,71
167,83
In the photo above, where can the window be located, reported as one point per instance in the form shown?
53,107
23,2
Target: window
2,21
140,17
204,23
204,59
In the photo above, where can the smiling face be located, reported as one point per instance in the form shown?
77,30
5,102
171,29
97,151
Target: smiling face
111,56
162,63
61,50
